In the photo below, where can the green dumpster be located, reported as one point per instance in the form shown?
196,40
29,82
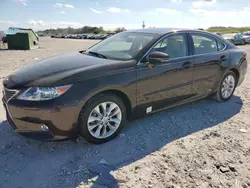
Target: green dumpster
21,39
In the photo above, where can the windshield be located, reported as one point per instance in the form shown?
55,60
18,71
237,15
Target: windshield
123,46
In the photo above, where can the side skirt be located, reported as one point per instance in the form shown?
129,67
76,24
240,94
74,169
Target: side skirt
138,112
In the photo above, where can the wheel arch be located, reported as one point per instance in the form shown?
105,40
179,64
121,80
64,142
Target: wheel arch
236,72
122,95
118,92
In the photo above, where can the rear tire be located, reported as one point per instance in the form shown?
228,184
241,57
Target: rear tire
226,88
96,123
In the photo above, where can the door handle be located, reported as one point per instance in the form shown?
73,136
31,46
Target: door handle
187,64
223,58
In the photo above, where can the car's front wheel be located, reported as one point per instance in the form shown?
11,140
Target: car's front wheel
102,118
227,87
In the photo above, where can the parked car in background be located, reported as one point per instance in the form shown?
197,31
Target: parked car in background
74,36
58,36
246,33
246,36
103,36
41,34
83,36
68,36
92,93
90,36
237,39
97,37
100,36
78,36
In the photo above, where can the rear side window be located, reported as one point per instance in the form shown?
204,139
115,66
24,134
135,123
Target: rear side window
221,46
204,44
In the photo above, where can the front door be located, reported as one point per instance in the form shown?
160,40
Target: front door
169,82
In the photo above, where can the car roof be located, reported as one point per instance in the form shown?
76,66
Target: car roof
162,31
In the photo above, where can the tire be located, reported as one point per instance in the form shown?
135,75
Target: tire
219,95
88,111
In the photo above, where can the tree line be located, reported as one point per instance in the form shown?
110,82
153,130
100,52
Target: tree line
101,30
85,29
228,29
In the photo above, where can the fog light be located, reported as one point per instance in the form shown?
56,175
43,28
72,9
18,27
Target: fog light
44,127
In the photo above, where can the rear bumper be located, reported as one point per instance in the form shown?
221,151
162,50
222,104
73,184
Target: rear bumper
30,121
243,70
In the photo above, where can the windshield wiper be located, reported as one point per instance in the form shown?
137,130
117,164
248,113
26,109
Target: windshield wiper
97,54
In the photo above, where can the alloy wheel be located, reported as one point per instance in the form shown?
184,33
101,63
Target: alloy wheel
104,120
228,86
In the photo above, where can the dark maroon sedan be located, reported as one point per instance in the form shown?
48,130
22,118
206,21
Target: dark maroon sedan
91,93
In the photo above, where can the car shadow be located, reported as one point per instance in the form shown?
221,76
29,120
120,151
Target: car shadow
29,163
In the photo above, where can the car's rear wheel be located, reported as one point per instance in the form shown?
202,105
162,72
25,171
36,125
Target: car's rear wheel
102,118
227,87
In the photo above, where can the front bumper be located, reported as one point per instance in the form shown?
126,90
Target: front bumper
28,118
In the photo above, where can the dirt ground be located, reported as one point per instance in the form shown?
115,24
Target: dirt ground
201,144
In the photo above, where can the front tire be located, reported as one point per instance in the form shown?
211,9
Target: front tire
102,118
227,87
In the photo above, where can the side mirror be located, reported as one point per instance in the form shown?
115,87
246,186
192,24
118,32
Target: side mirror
158,57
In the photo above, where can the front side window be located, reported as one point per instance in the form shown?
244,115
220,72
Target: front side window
123,46
204,44
175,46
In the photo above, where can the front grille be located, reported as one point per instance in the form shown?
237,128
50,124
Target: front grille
9,93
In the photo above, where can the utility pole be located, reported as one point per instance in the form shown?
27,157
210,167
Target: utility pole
143,24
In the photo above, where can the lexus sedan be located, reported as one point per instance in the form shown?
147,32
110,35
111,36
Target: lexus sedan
134,73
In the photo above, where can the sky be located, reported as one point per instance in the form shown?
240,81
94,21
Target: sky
110,14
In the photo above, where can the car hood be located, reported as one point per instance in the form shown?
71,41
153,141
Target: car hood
46,72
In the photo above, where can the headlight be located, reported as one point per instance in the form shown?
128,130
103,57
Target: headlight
43,93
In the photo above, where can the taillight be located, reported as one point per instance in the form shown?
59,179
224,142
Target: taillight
244,54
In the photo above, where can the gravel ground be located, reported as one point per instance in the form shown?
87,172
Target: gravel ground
201,144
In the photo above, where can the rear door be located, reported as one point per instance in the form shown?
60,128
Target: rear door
209,55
